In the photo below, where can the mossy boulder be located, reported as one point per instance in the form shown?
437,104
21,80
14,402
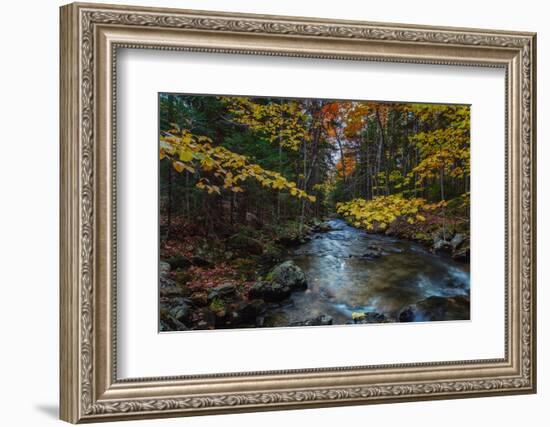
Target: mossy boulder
279,283
290,275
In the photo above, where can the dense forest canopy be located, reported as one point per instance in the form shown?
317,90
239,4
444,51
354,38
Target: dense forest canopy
278,159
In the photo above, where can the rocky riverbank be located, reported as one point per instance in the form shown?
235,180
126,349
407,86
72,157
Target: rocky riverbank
440,237
228,305
269,290
232,306
431,309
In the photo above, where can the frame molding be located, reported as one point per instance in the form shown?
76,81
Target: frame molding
90,36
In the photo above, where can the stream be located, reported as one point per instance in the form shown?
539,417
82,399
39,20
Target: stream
349,270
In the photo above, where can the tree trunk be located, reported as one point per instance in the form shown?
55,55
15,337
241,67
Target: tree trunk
441,183
381,143
231,208
303,206
187,196
169,203
279,191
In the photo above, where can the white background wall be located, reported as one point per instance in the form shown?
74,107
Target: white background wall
29,170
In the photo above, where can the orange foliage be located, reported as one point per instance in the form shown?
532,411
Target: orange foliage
345,168
361,111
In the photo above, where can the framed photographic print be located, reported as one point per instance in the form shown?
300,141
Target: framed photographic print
264,212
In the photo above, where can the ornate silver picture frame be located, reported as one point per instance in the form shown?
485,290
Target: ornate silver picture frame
91,34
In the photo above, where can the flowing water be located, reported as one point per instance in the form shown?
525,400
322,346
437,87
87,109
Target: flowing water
345,275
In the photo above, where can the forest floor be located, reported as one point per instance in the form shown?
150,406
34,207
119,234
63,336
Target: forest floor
207,271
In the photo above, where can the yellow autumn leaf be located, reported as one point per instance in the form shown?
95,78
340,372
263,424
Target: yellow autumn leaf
178,166
213,189
227,167
189,168
185,155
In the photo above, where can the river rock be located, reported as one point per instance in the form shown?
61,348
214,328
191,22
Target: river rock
321,227
442,241
168,323
199,298
442,246
436,308
457,240
374,251
407,315
180,312
370,254
442,234
164,280
171,291
225,291
289,275
394,250
269,291
322,320
204,319
281,281
369,317
164,269
247,312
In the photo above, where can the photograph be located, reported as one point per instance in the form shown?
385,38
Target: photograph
277,212
288,208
